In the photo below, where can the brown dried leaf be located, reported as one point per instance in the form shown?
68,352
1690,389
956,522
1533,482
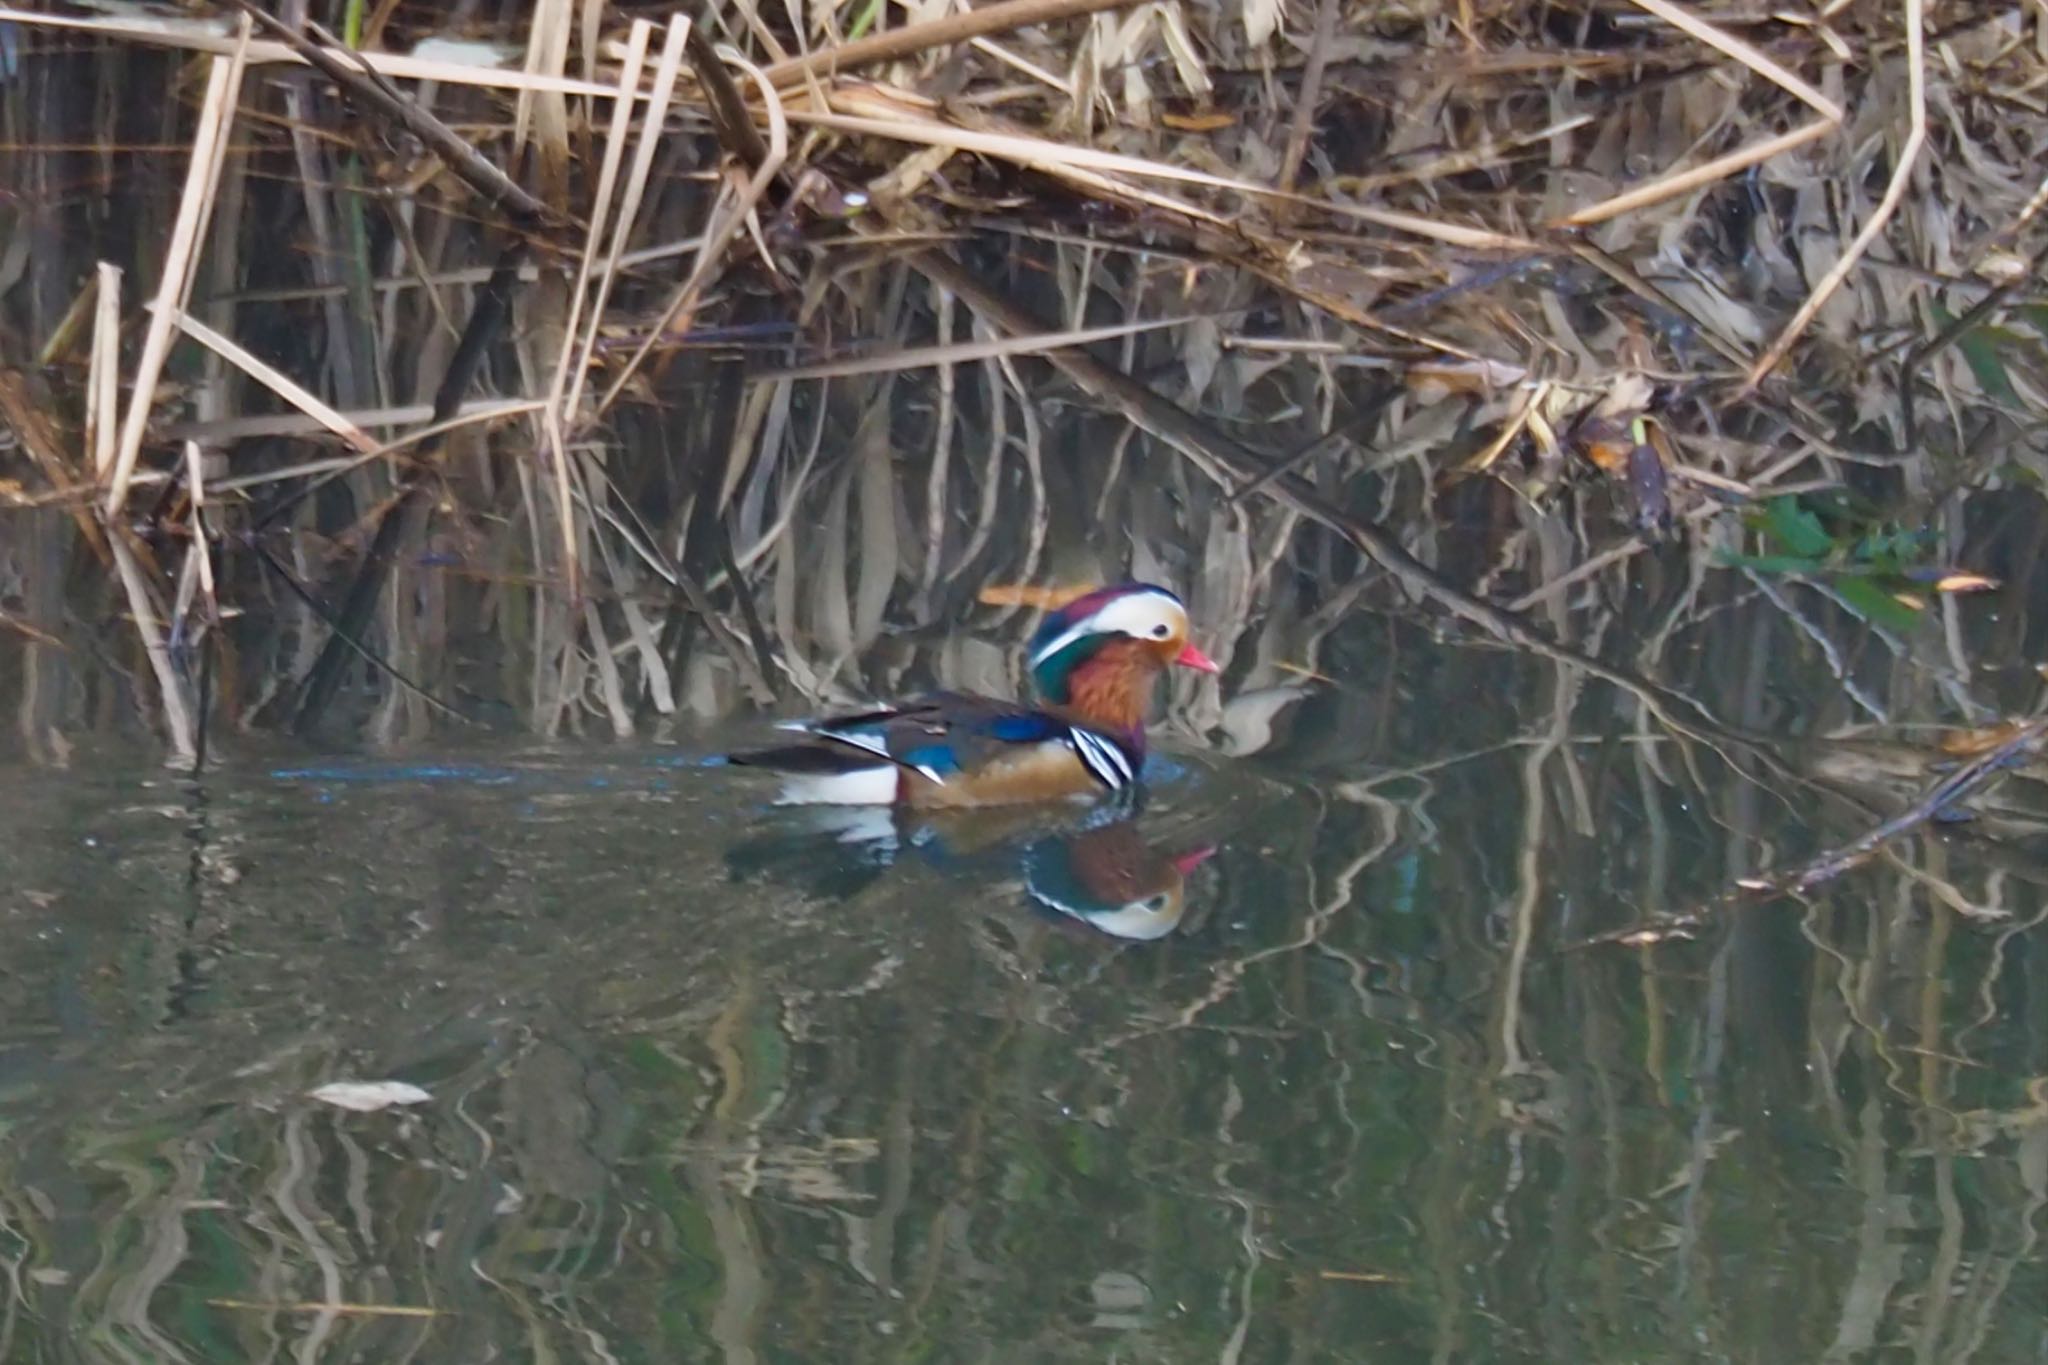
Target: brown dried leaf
1970,743
1199,123
1046,598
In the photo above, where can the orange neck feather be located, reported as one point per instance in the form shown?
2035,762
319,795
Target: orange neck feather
1110,690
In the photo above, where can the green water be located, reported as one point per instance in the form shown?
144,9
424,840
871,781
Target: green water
707,1083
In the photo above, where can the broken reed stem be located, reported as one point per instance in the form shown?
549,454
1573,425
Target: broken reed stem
202,180
178,721
195,579
405,518
1909,155
195,489
276,380
103,375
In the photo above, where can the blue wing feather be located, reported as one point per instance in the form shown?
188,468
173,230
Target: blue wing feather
1026,727
932,758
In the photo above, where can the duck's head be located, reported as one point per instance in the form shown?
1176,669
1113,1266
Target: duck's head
1126,634
1112,880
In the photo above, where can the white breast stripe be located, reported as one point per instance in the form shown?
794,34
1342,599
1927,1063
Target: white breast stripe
1103,758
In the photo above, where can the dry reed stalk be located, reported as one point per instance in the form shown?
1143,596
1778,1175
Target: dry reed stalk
1684,182
178,717
202,179
226,429
1057,158
609,682
915,38
731,212
278,382
195,579
664,86
484,412
943,434
1729,45
546,112
574,348
261,52
1303,122
103,375
1902,172
551,417
961,352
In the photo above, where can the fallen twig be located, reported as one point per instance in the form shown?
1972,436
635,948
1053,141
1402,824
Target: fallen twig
1939,797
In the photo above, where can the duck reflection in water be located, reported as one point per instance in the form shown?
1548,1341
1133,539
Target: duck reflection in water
1112,879
1107,876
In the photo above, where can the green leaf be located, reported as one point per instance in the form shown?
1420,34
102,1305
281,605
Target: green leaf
1869,600
1893,550
2036,317
1795,528
1979,346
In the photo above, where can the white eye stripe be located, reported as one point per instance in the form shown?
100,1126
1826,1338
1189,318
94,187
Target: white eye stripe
1141,614
1104,758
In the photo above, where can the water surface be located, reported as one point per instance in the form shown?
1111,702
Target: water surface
708,1082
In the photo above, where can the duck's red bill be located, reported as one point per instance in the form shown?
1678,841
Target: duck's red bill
1190,657
1194,858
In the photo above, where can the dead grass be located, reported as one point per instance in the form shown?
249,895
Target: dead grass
1388,253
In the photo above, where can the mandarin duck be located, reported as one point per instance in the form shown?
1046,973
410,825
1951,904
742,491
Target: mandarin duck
1112,880
1093,663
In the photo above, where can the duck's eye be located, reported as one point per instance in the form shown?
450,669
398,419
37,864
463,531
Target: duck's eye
1161,631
